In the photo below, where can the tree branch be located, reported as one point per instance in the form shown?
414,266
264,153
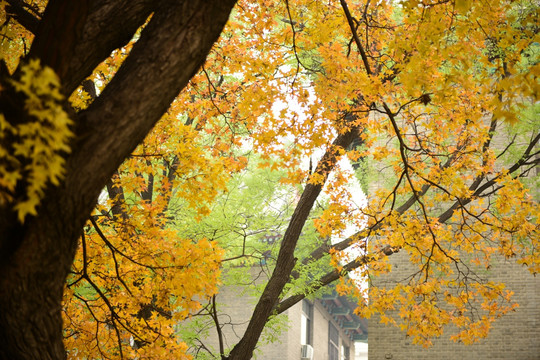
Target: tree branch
86,36
356,37
17,10
171,48
286,261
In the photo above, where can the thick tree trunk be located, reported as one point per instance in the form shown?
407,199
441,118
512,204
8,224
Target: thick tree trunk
35,258
31,287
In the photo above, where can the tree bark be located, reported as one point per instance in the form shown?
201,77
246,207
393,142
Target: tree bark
73,38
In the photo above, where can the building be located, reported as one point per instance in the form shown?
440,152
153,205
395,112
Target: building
515,336
322,329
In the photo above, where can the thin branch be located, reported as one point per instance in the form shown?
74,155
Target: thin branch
111,246
479,191
113,252
355,36
214,315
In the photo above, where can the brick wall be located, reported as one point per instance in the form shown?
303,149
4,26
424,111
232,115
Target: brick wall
516,336
235,309
235,312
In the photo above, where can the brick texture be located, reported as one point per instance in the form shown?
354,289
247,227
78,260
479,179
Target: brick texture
516,336
236,308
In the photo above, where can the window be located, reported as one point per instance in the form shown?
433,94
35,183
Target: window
306,324
333,342
345,353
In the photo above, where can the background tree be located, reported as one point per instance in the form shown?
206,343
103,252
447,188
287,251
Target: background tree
427,90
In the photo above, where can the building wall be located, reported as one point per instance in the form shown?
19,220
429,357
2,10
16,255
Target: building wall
235,312
235,309
320,333
516,336
321,318
293,334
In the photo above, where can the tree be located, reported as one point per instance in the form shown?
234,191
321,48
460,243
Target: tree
439,94
43,212
432,89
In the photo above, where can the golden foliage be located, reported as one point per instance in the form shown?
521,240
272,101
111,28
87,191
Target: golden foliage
439,95
36,155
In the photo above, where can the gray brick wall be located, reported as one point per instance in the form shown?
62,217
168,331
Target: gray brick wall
236,310
236,307
516,336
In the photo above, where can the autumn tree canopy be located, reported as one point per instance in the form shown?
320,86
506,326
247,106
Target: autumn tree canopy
436,99
51,178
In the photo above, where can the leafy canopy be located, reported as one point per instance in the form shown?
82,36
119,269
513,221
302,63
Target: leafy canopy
437,98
